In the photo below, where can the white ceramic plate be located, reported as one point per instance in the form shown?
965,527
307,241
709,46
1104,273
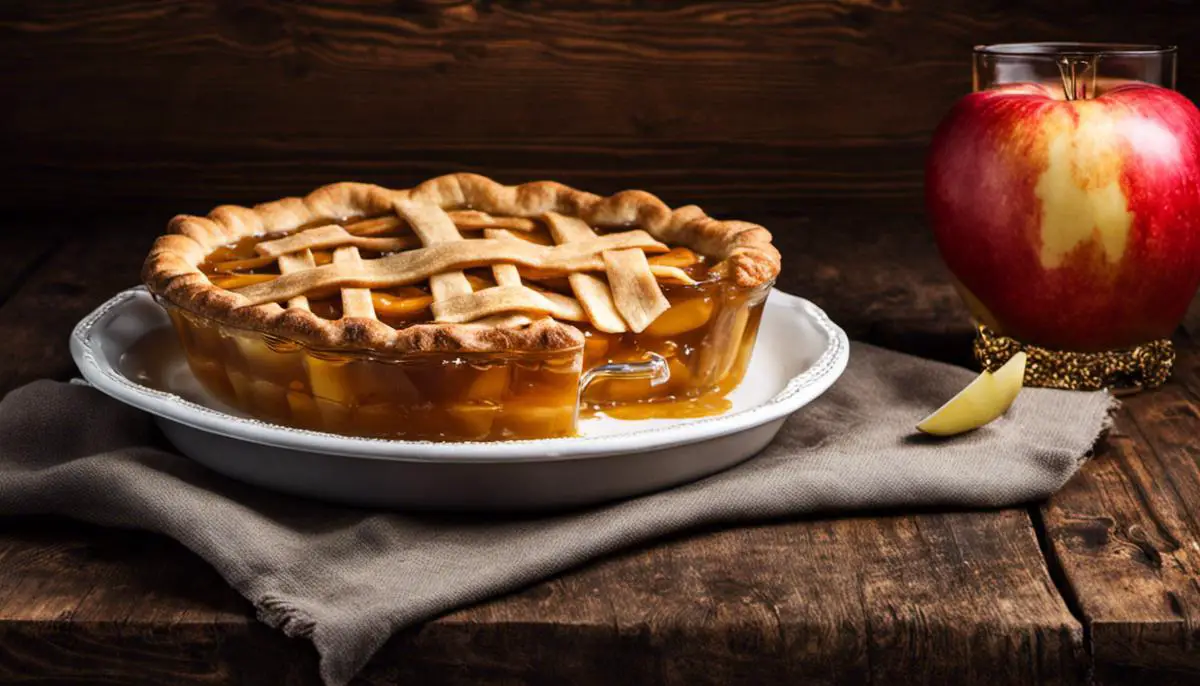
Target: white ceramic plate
799,354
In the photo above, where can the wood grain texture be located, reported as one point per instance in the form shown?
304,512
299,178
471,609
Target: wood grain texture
731,103
883,600
876,271
933,598
76,276
927,598
917,599
23,253
81,603
1126,535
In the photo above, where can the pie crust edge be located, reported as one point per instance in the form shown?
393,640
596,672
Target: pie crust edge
171,270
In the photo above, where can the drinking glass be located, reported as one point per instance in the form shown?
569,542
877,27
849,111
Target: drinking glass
1082,69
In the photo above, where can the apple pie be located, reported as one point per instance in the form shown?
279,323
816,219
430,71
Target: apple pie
462,309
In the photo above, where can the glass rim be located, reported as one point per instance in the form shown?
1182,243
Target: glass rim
1054,49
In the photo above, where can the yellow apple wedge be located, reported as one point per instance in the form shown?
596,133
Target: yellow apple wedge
985,399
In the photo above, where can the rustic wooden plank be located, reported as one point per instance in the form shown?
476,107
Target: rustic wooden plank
22,253
933,598
725,101
78,274
899,599
80,601
1126,534
887,600
877,273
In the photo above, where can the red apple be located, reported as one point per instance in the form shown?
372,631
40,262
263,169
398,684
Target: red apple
1070,224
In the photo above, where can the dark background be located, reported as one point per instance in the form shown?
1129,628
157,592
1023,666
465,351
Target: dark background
745,107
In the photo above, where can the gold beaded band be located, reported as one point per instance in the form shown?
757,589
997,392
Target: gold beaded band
1143,366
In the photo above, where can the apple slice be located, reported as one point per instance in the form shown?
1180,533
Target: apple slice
985,399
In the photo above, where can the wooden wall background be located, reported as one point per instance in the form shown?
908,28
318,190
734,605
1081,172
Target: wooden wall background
744,106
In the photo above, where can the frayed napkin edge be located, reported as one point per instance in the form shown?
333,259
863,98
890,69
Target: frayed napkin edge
1105,422
284,615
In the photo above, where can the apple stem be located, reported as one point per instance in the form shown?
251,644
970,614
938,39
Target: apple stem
1073,70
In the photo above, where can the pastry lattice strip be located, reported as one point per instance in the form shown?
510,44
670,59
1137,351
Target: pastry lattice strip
333,236
356,302
414,266
454,300
297,262
436,228
565,308
593,293
630,299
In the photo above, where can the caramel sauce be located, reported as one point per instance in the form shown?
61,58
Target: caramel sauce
707,405
706,338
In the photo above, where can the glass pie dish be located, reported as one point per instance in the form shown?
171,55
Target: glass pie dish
463,310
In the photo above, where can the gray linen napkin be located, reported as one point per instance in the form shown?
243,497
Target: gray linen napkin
347,579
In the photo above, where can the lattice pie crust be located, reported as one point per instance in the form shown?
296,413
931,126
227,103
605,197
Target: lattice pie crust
453,223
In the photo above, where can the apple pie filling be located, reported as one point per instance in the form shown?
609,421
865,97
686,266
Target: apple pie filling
704,331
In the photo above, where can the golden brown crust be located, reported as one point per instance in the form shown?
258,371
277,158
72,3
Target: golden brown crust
171,271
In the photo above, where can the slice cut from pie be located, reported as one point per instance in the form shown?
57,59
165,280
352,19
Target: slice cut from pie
461,309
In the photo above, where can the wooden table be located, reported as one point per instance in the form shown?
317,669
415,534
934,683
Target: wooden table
1099,585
